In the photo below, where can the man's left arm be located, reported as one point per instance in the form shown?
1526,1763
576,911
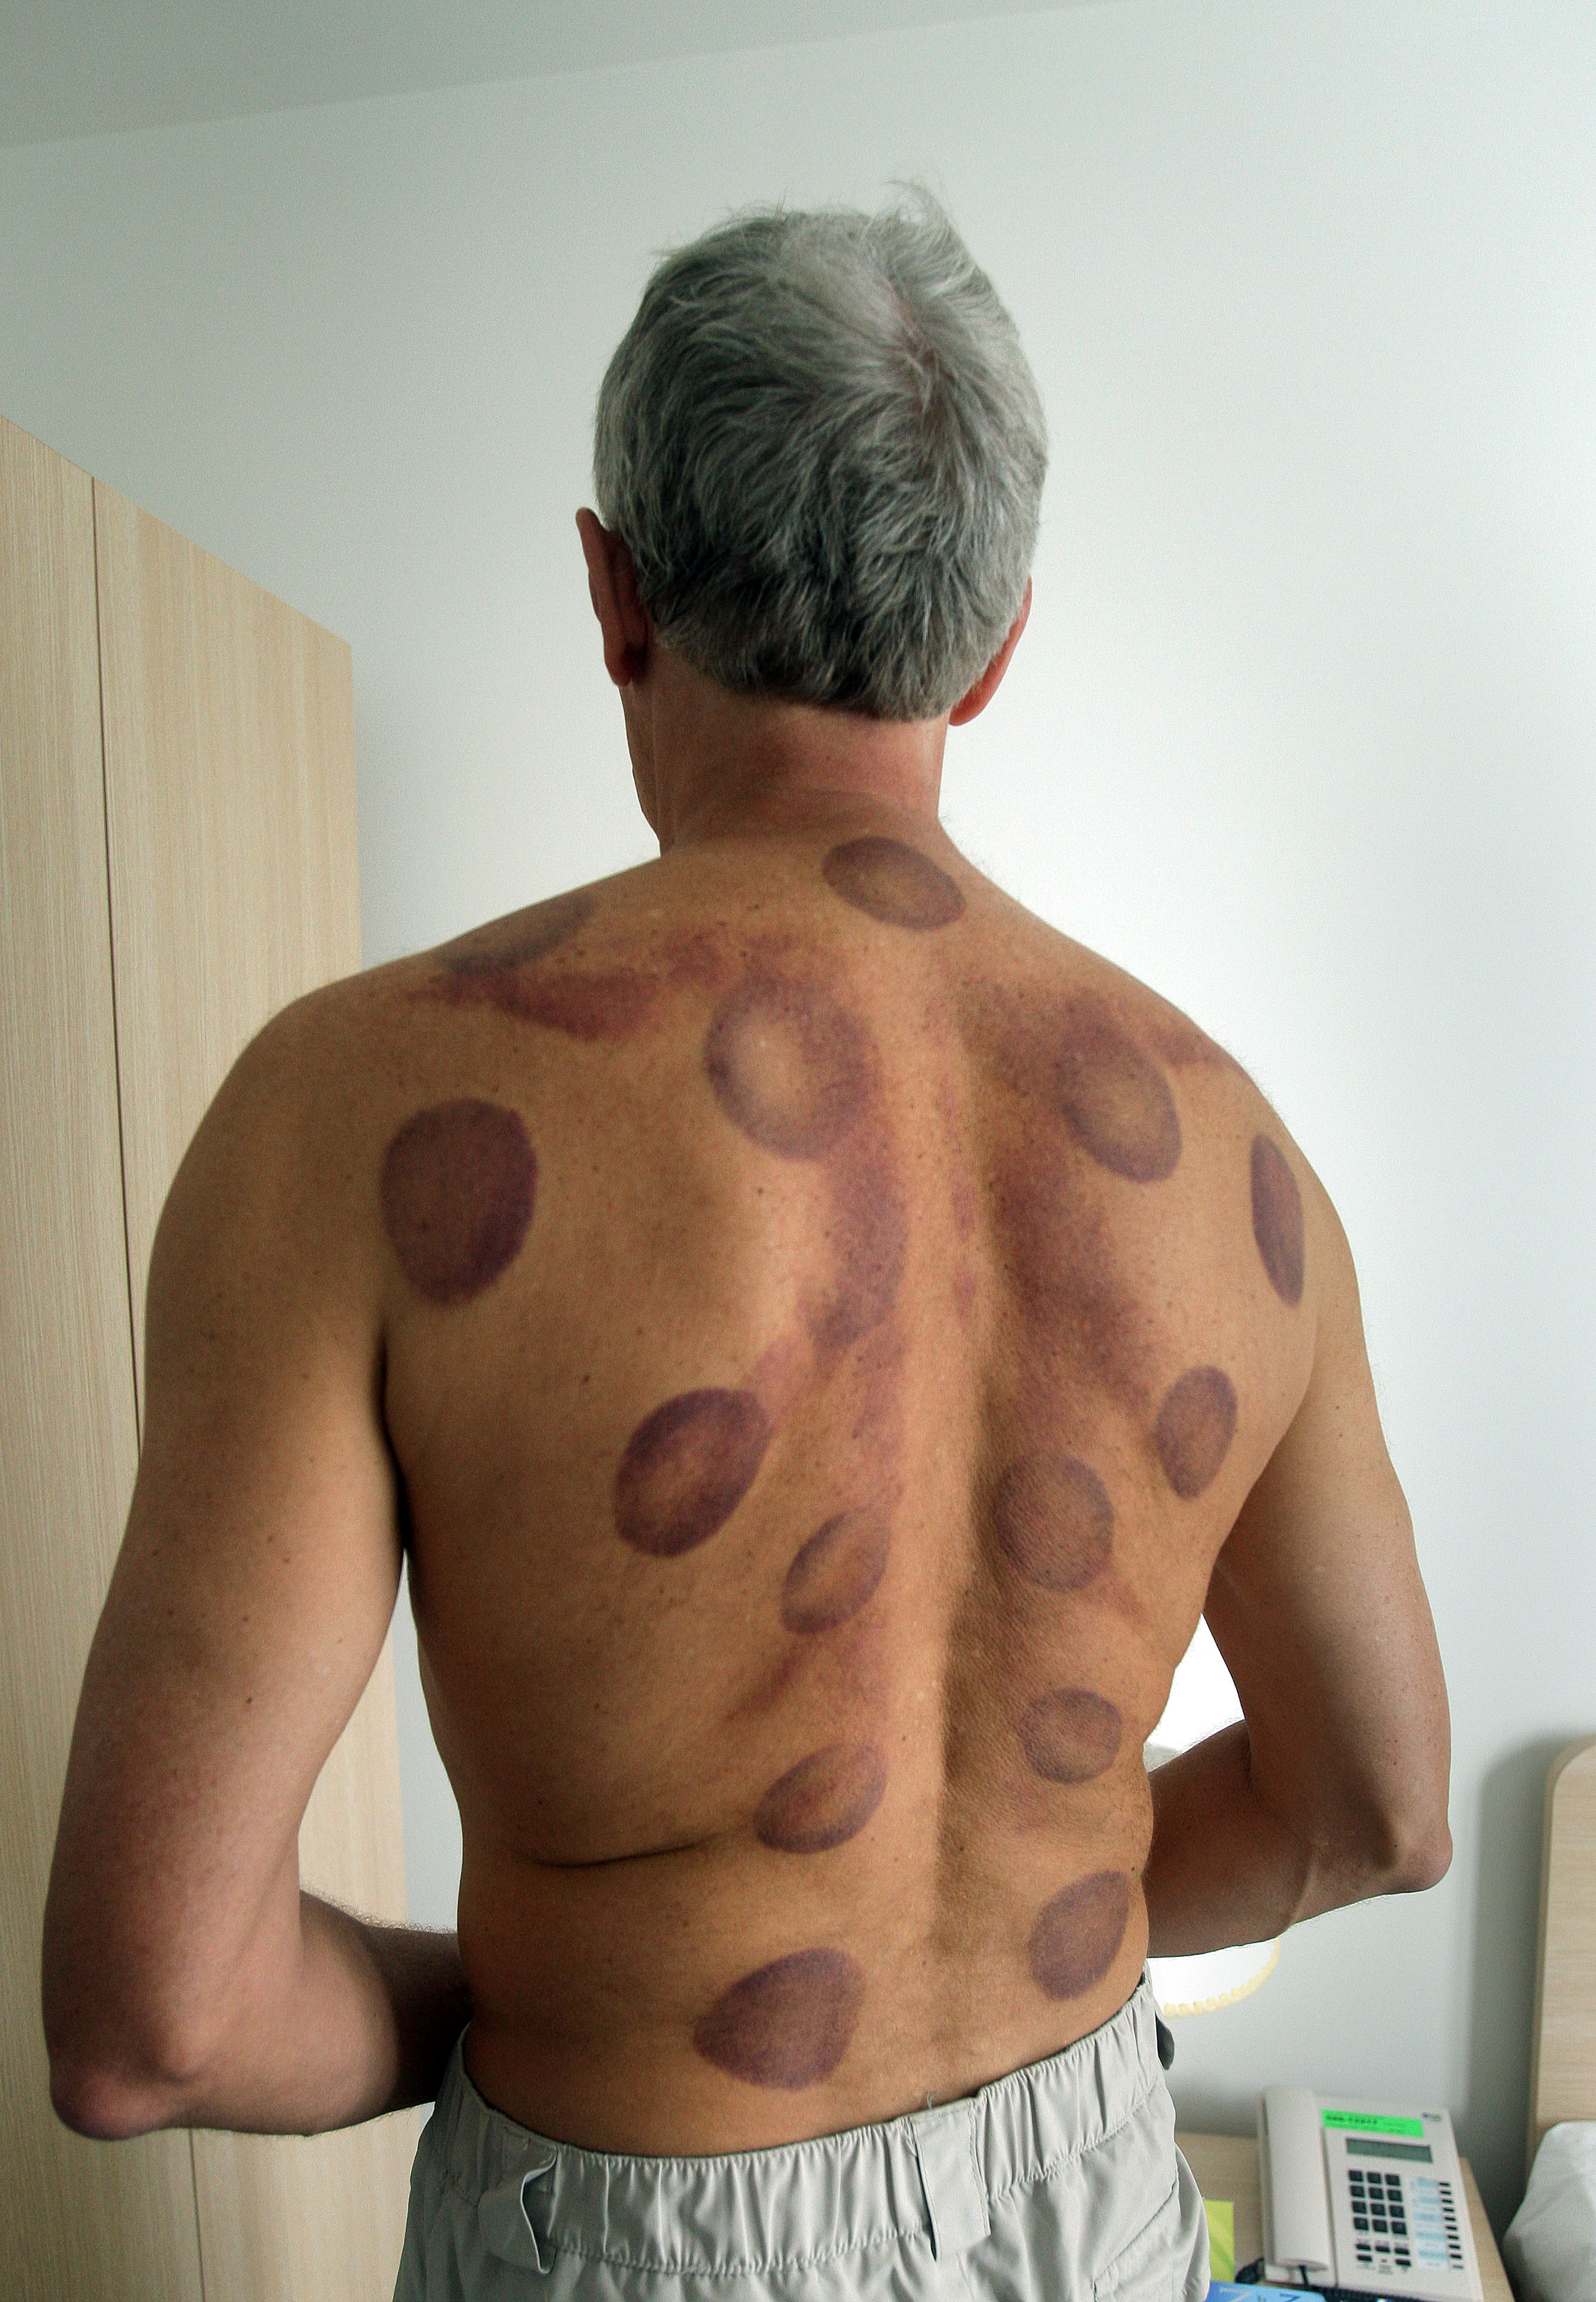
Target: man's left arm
187,1980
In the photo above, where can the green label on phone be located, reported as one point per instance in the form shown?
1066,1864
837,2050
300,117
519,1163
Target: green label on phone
1364,2122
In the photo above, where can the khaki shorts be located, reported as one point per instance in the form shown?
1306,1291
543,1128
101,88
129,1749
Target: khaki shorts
1060,2183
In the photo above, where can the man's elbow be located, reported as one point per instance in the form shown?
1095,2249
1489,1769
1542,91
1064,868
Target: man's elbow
107,2105
1403,1853
1421,1860
109,2090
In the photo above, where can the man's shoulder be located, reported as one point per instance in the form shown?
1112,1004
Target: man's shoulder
1226,1098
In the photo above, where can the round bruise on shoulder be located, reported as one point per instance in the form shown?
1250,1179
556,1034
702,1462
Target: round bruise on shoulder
458,1180
686,1467
789,1065
1077,1934
514,943
893,882
824,1800
1070,1734
836,1573
1113,1097
1277,1219
787,2024
1054,1521
1196,1425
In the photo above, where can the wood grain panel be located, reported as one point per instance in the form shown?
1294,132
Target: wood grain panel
79,2218
1563,2051
230,810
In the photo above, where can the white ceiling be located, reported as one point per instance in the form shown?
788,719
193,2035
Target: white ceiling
94,67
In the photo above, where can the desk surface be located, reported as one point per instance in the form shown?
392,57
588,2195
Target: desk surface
1226,2166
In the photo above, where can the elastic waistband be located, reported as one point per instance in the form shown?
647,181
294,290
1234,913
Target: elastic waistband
931,2173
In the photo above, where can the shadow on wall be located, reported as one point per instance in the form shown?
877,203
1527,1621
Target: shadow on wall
1502,1998
1222,2058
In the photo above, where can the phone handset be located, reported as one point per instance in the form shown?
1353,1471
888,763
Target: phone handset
1294,2199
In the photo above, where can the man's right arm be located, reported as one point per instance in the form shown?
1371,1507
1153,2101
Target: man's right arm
1334,1784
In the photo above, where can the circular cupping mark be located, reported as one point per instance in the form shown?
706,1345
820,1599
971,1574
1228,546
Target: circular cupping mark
789,1065
1196,1425
1069,1734
825,1800
458,1182
1115,1099
1277,1219
786,2024
835,1573
1077,1934
686,1467
893,882
1054,1521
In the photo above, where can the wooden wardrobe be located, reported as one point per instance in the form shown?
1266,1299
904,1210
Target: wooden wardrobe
177,861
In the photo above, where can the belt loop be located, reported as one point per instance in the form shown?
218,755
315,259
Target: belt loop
507,2226
950,2175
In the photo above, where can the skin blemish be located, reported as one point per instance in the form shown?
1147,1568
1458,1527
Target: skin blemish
1054,1520
825,1800
893,882
608,1005
849,1673
511,943
789,1065
787,2024
686,1467
1277,1219
1069,1734
1088,1327
1115,1099
458,1182
1077,1934
869,1235
1195,1427
836,1573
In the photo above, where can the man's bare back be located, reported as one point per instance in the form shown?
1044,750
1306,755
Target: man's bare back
822,1339
832,1323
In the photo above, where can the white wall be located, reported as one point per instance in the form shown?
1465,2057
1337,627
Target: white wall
1302,729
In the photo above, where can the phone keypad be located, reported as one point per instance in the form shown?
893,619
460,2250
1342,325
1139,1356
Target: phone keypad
1399,2220
1378,2219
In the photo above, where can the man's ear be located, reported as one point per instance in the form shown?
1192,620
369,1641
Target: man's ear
612,587
986,687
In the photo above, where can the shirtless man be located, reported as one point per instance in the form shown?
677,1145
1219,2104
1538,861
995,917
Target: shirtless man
822,1339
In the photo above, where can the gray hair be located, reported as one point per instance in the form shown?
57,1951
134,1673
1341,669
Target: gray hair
821,442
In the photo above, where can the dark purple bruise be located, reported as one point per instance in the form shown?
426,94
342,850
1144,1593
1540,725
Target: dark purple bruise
1054,1521
609,1005
1277,1219
458,1180
893,882
825,1800
686,1467
836,1573
1114,1098
1069,1734
870,1236
1076,1935
786,2024
789,1065
1196,1425
530,935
